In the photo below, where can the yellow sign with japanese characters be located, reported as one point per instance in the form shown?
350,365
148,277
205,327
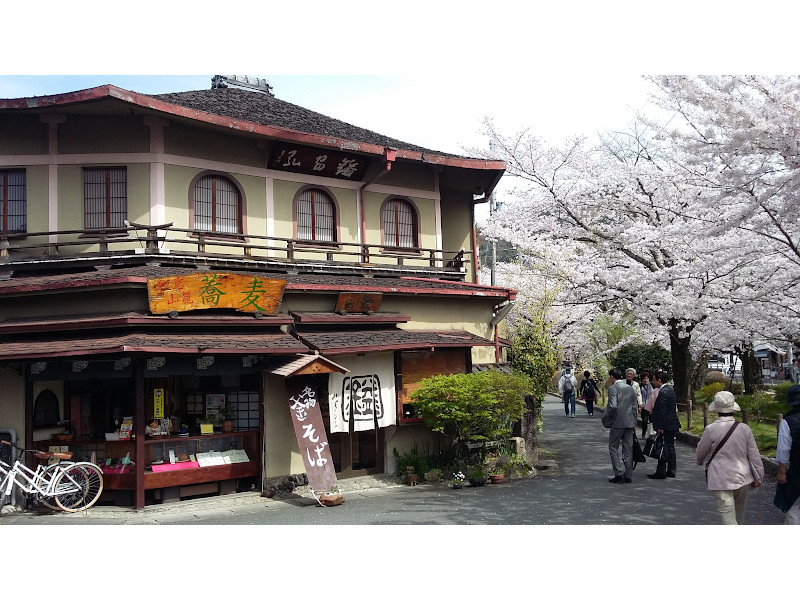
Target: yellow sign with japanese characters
198,291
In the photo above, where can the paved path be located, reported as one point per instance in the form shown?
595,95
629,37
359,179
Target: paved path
577,493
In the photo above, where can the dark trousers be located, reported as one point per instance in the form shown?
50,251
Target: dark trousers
589,405
667,464
645,421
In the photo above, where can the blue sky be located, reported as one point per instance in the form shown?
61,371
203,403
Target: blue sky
438,112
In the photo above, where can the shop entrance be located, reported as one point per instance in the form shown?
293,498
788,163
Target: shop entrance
355,453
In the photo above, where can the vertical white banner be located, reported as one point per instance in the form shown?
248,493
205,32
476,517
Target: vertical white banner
365,395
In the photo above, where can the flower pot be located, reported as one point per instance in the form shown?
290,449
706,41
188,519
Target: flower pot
476,482
227,426
497,478
456,486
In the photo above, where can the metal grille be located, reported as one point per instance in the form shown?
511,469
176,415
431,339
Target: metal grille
315,217
216,205
399,224
13,201
105,197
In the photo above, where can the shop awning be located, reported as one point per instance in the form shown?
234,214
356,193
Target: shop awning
152,343
307,364
341,341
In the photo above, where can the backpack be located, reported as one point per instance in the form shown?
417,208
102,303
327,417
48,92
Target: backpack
568,387
589,390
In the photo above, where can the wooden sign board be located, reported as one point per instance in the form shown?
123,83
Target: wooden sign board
309,429
197,291
319,161
358,303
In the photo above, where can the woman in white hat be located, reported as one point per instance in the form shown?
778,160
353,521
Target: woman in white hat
734,465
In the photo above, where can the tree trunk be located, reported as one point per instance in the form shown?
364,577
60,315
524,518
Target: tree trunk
681,370
529,431
751,368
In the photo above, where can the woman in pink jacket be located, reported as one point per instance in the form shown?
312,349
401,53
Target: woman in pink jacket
736,466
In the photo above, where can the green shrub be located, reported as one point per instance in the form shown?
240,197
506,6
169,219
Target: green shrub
763,405
715,377
708,391
476,407
413,458
781,392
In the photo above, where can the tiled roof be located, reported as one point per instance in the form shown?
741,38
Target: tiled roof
341,341
264,109
183,343
294,282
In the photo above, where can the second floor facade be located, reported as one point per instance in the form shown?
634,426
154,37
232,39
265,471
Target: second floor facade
106,173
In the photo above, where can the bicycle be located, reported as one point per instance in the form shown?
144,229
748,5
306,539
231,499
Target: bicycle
67,486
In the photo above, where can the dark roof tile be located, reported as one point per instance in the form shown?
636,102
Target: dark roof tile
264,109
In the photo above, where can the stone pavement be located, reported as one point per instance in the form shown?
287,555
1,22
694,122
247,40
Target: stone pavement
575,492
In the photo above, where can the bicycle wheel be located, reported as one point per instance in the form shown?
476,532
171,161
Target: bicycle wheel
78,487
48,473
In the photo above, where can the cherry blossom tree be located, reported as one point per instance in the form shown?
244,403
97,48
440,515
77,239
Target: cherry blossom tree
621,220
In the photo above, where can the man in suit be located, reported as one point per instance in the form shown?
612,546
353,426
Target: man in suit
665,422
622,401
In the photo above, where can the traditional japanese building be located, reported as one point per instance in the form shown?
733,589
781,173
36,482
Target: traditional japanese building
163,257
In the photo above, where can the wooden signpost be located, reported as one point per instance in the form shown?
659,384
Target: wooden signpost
309,429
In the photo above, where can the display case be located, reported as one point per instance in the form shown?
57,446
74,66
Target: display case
108,455
161,473
234,463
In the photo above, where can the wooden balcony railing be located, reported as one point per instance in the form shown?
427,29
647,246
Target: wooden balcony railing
166,239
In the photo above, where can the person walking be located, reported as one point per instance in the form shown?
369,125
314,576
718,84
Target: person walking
566,387
622,415
666,423
630,373
733,462
588,391
788,457
647,390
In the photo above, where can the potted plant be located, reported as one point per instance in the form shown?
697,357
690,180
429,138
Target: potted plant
206,425
458,480
476,475
497,477
226,414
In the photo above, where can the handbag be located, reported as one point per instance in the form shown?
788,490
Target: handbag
754,473
721,444
654,447
638,455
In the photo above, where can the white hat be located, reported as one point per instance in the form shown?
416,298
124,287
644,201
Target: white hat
723,402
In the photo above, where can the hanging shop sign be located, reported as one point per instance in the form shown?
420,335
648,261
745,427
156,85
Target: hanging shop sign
349,302
310,432
158,403
318,161
197,291
364,397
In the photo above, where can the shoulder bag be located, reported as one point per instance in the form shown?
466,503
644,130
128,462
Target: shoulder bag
721,444
654,447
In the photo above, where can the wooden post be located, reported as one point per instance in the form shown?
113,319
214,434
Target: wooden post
744,416
705,415
778,419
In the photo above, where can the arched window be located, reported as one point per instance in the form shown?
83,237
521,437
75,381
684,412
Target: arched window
399,223
315,213
45,410
217,205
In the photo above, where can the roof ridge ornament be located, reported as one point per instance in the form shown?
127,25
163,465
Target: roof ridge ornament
253,83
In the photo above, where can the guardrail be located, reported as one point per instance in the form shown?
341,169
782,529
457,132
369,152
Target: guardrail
168,239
